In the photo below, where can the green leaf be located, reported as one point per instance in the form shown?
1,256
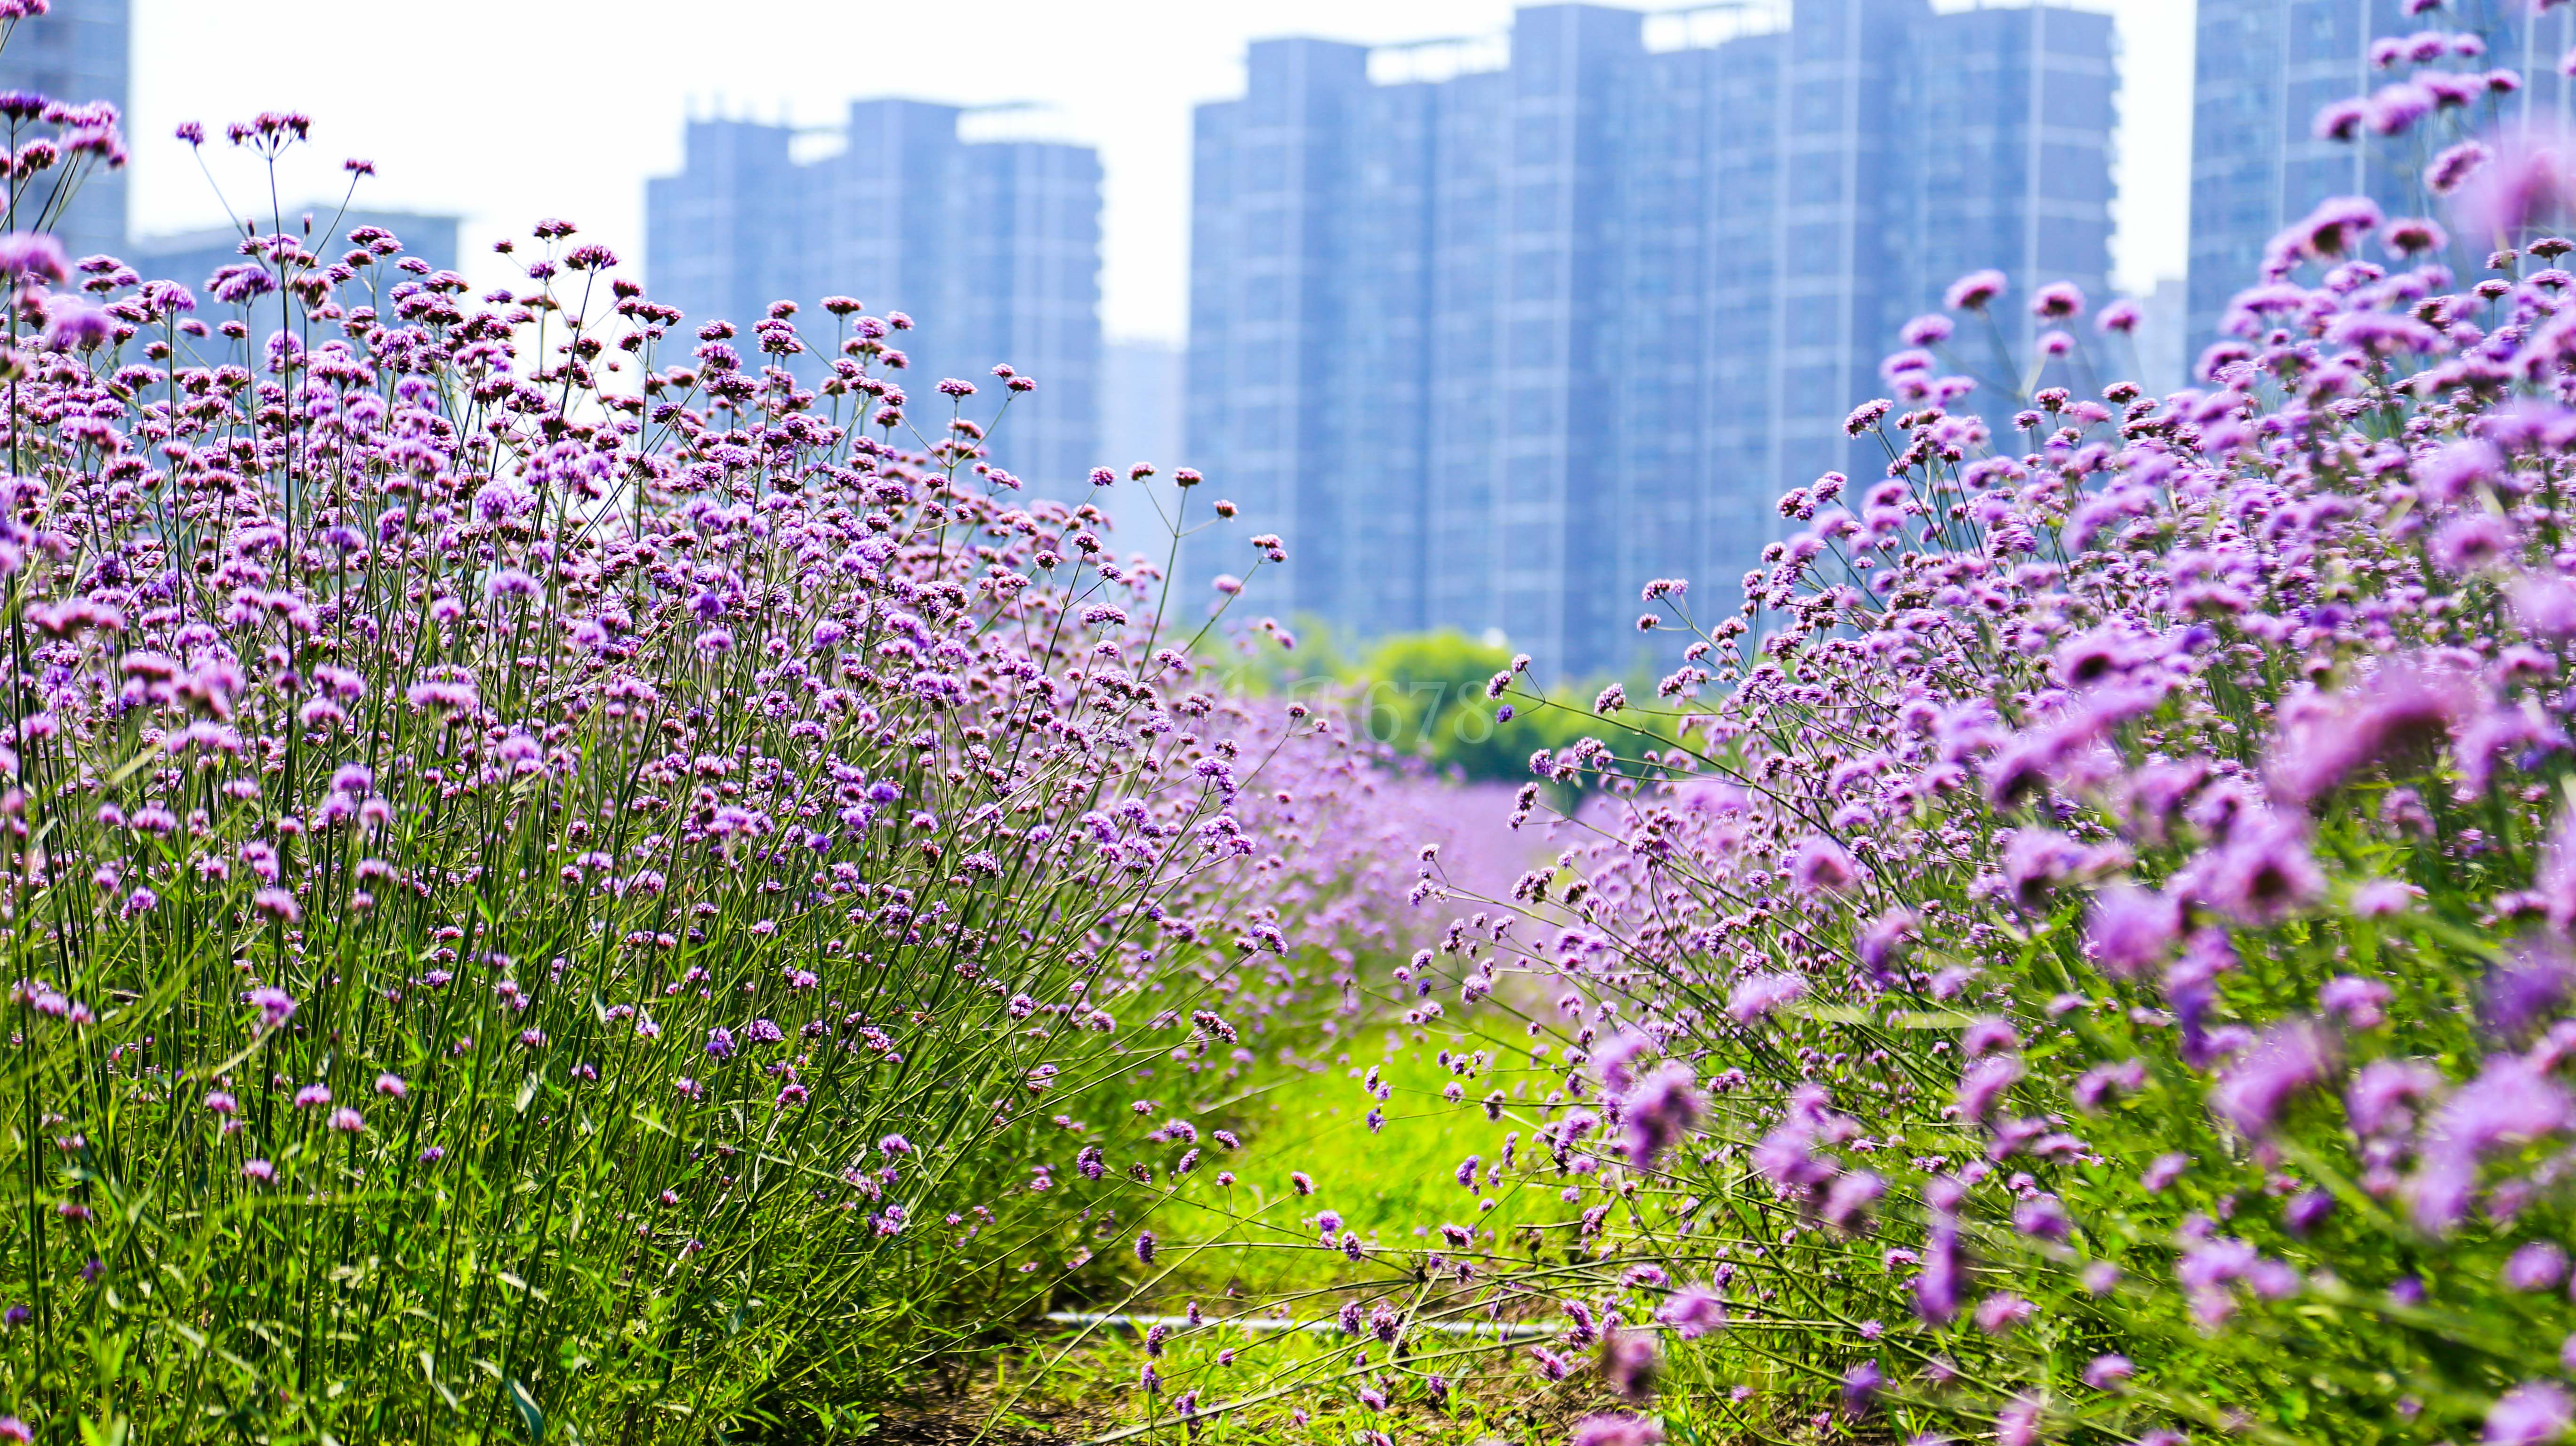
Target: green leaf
529,1416
429,1371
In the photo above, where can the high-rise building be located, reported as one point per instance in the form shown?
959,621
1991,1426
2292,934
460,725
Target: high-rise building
78,53
723,238
2266,69
2164,336
1492,349
992,246
1140,421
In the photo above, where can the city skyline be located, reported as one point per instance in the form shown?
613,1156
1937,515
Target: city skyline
1498,348
990,246
1121,75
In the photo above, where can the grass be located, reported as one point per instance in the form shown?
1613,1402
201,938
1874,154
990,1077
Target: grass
1251,1250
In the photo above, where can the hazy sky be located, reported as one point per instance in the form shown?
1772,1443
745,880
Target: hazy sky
511,110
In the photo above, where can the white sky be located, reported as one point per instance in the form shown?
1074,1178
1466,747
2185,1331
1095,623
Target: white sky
510,110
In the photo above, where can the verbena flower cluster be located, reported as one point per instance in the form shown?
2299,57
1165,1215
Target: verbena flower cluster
556,873
2099,960
2103,970
562,873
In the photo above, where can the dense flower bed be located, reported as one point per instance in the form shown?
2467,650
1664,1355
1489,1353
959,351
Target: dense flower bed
549,884
2099,962
2103,971
557,886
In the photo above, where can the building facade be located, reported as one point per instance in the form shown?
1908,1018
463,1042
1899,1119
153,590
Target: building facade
991,246
78,53
2264,71
1140,421
1493,349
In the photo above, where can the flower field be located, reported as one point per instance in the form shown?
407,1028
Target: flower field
573,872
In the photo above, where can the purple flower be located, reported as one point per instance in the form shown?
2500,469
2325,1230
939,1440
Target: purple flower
1694,1311
2017,1424
2095,1085
2043,1218
74,327
2450,472
2205,1271
1629,1363
2530,988
2161,1172
2334,229
2545,606
32,256
1987,1034
2528,1415
2528,182
1661,1109
2354,1000
2262,874
1612,1059
2131,928
2000,1312
2512,1101
2057,301
2537,1266
2107,1371
1819,865
2305,1211
1756,996
1878,944
1975,290
2395,107
1610,1430
2470,542
1787,1155
2378,1090
1849,1197
2400,714
1982,1084
1936,1284
2288,1058
1861,1385
275,1006
2444,175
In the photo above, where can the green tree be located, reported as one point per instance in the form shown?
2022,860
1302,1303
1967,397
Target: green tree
1424,693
